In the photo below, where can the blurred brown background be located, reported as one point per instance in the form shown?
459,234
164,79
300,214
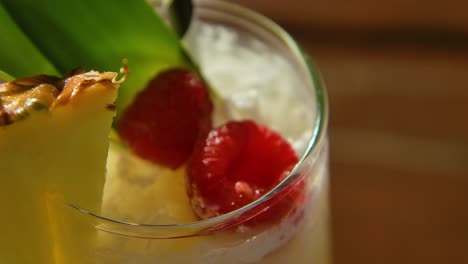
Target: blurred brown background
397,78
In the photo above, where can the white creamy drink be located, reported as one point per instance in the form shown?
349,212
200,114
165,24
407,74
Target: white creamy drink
257,72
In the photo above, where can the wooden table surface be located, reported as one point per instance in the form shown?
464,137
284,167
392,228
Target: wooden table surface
398,133
399,152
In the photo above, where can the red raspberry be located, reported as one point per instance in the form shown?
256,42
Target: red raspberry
165,119
235,165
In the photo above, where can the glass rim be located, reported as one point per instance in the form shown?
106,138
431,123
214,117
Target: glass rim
318,133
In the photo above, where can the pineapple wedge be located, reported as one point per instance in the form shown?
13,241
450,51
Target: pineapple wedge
53,143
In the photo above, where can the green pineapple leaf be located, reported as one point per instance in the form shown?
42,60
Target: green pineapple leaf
99,35
18,55
5,76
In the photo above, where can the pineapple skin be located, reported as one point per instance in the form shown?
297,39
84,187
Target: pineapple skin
47,159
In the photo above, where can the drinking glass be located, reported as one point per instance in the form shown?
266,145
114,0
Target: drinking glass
258,72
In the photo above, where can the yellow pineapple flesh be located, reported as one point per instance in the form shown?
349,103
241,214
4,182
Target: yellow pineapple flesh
53,148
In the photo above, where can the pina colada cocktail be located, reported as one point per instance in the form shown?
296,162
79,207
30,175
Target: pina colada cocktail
231,168
152,214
